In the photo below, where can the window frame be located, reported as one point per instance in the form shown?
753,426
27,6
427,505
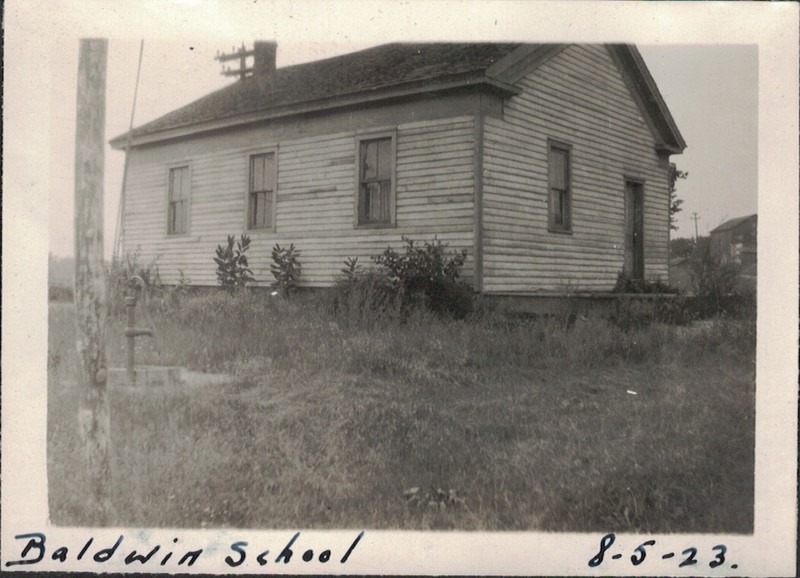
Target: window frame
552,226
358,223
168,230
269,227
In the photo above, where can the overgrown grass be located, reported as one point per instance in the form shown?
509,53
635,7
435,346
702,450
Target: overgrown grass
327,423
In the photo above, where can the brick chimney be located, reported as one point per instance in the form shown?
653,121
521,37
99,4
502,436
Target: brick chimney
264,54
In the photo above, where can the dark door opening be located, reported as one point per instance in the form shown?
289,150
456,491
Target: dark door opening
634,229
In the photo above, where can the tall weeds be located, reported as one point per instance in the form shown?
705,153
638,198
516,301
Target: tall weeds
349,331
334,417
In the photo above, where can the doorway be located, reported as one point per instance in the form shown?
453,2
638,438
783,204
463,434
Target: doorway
634,229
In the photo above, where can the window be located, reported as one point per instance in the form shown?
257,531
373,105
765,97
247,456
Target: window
560,196
376,181
261,191
178,210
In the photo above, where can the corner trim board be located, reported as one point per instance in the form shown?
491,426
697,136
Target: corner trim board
478,199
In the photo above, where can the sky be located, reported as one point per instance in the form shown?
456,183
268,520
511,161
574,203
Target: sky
712,93
711,90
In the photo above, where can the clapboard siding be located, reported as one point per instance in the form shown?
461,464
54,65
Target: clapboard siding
315,198
578,97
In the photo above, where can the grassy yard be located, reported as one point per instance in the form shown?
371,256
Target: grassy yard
480,424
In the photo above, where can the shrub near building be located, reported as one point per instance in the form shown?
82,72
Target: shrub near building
424,276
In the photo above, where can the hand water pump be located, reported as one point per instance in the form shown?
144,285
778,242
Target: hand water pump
131,331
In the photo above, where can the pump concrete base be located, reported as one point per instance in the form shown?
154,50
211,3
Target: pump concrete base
165,376
146,376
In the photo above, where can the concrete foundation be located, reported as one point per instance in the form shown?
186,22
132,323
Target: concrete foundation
161,376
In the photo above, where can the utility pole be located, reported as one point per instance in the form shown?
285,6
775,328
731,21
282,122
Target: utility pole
241,55
90,301
695,218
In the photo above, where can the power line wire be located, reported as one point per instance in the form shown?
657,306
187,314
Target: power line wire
121,206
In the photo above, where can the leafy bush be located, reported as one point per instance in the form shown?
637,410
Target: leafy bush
180,291
421,263
285,268
713,279
121,274
675,311
735,305
365,298
632,314
628,284
232,266
429,276
715,292
352,269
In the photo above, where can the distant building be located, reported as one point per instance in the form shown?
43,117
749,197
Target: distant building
735,240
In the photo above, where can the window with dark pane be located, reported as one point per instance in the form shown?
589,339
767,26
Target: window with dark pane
375,181
178,212
262,186
560,201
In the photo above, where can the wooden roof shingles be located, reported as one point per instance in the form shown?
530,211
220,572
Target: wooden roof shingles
367,71
389,71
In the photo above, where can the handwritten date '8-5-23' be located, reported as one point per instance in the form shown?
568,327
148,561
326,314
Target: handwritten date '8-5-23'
687,556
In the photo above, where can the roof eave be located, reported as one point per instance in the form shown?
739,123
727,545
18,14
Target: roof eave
678,144
663,148
733,223
527,58
493,85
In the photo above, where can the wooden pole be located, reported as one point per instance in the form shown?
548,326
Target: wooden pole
90,301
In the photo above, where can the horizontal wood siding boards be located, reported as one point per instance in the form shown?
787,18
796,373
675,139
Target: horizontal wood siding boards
444,153
308,169
317,243
580,98
534,252
321,260
315,200
436,159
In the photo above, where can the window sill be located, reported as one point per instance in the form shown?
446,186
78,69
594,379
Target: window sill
560,231
375,225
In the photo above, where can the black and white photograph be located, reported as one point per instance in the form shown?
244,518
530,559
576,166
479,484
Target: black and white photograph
426,288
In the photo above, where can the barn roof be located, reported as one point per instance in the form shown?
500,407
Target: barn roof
382,72
732,224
